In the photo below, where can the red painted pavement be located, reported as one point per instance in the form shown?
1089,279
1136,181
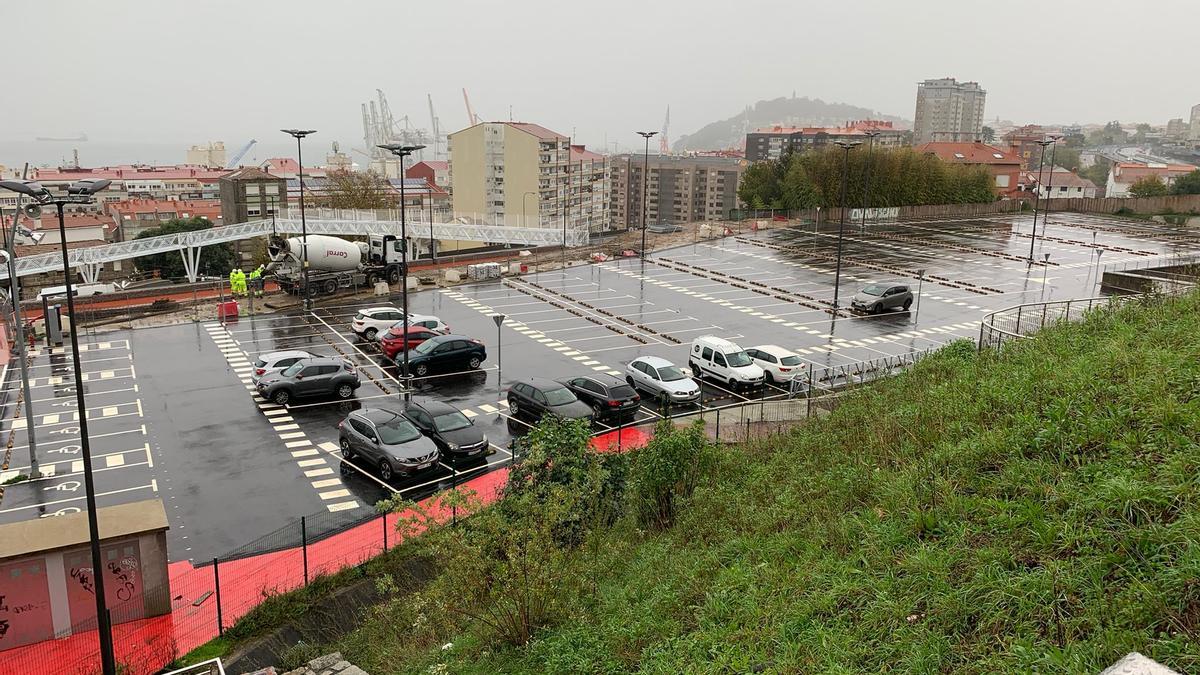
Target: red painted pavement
147,645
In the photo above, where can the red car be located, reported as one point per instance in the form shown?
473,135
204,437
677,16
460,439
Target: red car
392,342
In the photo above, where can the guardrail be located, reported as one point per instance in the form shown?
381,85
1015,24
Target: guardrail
1016,323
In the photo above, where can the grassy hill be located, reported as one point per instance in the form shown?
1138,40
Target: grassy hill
802,111
1029,511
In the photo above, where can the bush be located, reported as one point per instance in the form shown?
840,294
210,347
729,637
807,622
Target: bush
664,473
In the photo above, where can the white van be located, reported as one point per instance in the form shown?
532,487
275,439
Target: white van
79,290
724,361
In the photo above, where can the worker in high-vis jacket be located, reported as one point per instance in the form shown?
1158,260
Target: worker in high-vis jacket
241,282
233,282
256,281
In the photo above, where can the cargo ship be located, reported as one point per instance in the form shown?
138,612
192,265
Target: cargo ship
81,138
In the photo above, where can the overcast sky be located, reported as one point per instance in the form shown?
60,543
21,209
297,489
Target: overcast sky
174,71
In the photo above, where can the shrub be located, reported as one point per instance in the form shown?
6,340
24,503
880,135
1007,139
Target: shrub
665,472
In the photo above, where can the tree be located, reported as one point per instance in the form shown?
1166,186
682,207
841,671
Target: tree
1097,172
1064,156
357,190
760,188
1141,132
798,189
1187,184
1148,186
989,134
215,259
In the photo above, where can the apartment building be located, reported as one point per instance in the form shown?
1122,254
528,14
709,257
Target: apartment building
776,141
518,173
1194,125
249,193
948,111
1004,167
138,182
133,216
681,189
1024,143
435,172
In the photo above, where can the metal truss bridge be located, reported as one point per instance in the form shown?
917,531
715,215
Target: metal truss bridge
88,261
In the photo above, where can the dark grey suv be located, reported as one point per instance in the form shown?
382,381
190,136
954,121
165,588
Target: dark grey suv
538,396
387,441
319,376
879,297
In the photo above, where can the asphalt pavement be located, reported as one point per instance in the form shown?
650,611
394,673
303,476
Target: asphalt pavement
173,414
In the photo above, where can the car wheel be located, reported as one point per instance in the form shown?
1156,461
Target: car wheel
513,410
474,362
281,397
877,308
907,304
385,470
345,391
347,452
370,333
421,370
770,377
629,381
598,410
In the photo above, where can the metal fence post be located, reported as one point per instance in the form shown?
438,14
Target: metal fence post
217,589
718,439
304,547
385,532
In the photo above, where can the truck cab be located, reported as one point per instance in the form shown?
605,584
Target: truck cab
386,249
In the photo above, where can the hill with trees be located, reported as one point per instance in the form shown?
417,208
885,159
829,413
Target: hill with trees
802,111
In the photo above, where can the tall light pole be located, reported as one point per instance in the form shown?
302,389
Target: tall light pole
645,186
837,277
920,284
19,329
871,135
1037,196
525,223
403,151
1050,183
299,134
79,192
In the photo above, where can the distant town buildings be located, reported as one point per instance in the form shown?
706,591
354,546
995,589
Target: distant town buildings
249,193
1177,128
1194,126
1057,182
79,227
1004,166
1023,142
132,216
1122,175
774,142
138,181
436,172
948,111
211,155
681,189
518,173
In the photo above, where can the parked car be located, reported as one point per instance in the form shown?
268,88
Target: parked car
317,376
425,321
658,376
879,297
276,361
395,340
387,441
446,352
538,397
368,322
611,398
778,364
453,432
724,361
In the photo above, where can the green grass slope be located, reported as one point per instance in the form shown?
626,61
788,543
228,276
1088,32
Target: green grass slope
1029,511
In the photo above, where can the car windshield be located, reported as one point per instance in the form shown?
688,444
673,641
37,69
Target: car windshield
874,289
670,373
293,369
426,346
790,360
738,359
397,430
560,396
452,421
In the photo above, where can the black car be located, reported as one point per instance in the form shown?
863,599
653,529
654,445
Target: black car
446,352
452,431
538,396
611,398
387,441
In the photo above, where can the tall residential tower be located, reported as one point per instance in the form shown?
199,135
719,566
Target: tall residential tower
948,111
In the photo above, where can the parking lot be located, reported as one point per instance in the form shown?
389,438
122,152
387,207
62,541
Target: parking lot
172,411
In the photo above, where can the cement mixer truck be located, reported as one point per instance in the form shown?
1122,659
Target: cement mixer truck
335,263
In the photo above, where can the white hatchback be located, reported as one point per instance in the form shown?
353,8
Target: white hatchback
779,364
275,361
423,320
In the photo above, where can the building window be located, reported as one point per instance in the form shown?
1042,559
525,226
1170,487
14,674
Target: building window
272,189
1002,180
252,189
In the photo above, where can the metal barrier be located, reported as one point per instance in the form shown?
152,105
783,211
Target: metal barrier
1021,321
209,667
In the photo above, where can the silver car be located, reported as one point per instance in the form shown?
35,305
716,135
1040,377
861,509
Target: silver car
879,297
276,361
657,376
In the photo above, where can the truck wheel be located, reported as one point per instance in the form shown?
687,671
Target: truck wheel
330,287
372,279
394,275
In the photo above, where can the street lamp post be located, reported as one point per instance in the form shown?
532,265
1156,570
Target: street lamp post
299,134
79,192
871,135
1045,268
19,330
403,151
499,319
1037,195
837,277
645,186
1049,184
920,284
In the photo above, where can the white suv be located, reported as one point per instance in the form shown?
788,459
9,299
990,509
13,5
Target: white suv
369,322
724,361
